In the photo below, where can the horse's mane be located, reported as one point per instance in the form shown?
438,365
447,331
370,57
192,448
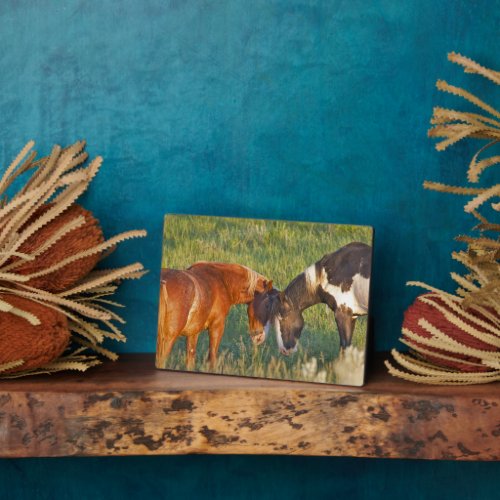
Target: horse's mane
253,279
252,276
311,276
305,282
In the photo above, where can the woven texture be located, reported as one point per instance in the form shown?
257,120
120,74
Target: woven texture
423,310
35,345
49,250
82,238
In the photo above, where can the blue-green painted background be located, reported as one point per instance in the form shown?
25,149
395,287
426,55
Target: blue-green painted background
302,110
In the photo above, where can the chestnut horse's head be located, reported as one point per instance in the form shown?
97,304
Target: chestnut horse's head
275,308
260,312
288,323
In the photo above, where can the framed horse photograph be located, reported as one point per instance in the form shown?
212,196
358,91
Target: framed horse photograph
265,298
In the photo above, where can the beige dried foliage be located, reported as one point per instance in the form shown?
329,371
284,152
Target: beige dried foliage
478,292
59,179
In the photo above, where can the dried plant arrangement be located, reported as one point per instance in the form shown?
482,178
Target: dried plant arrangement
55,308
455,338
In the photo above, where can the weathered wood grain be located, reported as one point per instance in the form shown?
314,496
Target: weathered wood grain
129,408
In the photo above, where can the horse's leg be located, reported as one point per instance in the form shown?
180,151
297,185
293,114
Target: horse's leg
163,348
191,341
342,319
215,332
345,324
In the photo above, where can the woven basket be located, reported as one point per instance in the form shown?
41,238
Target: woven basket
422,310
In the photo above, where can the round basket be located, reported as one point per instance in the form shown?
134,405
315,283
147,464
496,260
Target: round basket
77,240
432,311
35,345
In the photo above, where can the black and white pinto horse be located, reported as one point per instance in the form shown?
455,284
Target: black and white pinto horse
340,279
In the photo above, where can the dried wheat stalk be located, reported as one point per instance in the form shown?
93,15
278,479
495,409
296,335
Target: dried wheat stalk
479,288
58,179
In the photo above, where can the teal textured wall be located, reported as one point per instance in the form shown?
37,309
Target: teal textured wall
303,110
245,478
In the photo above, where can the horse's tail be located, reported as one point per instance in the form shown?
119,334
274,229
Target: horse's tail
195,304
179,280
162,317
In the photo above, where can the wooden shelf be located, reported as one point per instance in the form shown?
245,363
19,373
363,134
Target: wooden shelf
130,408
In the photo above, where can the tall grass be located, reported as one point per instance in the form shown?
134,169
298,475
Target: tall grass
279,250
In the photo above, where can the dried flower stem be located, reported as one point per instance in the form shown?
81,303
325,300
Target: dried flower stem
479,289
60,179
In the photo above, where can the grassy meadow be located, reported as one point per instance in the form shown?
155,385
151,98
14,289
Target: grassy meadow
279,250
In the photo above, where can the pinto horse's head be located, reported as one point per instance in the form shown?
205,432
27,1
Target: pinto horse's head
288,323
260,312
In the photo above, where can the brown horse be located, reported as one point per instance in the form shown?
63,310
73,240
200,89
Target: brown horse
199,298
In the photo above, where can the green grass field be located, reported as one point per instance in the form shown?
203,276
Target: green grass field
279,250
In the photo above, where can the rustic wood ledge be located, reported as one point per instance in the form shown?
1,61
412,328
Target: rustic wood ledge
130,408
